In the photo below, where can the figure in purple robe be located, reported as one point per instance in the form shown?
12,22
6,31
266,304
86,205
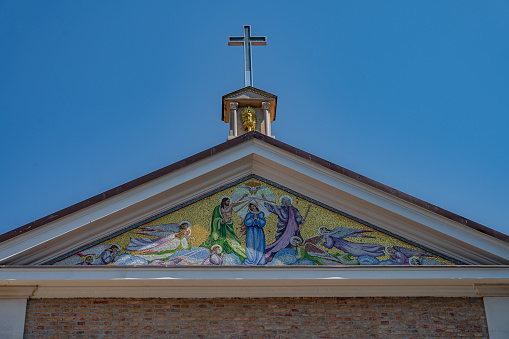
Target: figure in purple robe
335,238
402,255
289,220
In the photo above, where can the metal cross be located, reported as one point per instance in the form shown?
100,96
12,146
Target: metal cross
247,40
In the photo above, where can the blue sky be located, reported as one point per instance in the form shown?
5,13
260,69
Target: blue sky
412,94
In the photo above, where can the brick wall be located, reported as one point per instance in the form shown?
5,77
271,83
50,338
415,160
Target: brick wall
256,318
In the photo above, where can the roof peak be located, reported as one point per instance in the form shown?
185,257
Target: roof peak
252,136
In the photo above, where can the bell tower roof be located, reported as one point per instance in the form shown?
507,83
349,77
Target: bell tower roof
251,96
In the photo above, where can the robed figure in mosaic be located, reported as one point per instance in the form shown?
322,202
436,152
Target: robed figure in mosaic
307,249
222,232
170,237
336,238
289,221
255,237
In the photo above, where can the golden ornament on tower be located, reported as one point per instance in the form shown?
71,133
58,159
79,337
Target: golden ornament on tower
249,118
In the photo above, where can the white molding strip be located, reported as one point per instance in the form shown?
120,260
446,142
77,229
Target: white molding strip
160,282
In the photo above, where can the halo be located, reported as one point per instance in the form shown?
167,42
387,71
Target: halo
185,222
216,246
294,240
323,230
286,196
224,196
413,259
387,249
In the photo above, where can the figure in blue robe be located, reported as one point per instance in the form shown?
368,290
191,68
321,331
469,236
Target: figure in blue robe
255,237
109,255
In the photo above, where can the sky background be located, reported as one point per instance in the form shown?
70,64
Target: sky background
412,94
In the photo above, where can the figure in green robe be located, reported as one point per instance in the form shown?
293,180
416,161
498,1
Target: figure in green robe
222,232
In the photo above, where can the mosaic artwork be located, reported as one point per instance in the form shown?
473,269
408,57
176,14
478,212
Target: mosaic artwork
253,222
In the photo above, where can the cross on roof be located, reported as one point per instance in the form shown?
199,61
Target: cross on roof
247,40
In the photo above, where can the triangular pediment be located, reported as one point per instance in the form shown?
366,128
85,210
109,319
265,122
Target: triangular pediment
249,93
167,217
253,221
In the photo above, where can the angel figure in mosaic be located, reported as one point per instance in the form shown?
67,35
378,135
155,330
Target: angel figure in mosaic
402,255
335,238
170,237
308,249
221,230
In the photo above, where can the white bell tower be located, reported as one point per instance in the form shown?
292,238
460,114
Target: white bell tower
249,109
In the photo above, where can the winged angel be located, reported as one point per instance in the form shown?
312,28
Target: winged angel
170,237
335,238
404,255
308,249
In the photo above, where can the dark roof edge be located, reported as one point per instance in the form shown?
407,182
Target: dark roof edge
122,188
231,143
387,189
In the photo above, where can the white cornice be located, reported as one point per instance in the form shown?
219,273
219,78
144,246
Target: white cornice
16,292
67,282
493,290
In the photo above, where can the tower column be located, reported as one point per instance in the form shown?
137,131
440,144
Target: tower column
266,113
233,119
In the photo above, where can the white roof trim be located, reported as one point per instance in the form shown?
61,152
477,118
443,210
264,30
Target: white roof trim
67,282
260,158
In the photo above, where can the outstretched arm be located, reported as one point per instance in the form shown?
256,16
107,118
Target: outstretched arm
270,207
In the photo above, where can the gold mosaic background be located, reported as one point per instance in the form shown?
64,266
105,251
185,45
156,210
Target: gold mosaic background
199,214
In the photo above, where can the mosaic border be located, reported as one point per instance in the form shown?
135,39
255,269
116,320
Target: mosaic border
236,182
